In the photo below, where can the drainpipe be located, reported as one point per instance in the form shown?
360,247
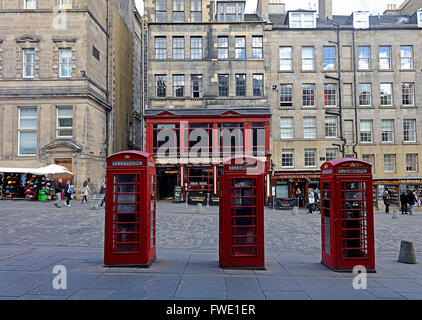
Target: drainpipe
107,143
355,91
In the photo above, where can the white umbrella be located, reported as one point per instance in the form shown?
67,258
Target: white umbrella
52,169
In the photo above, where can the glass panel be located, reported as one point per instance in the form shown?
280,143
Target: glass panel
126,178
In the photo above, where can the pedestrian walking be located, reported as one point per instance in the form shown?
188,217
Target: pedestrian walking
311,201
58,190
68,191
84,192
403,202
103,191
411,200
387,201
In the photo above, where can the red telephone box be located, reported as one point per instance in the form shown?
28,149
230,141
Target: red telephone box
130,229
347,215
242,192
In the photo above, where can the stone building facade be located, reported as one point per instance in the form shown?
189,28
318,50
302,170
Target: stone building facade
205,71
379,94
67,84
376,90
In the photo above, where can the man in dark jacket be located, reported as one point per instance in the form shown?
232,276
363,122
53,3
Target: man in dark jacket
387,201
403,202
58,189
411,200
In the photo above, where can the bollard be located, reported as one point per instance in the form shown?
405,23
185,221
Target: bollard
199,208
396,215
407,253
187,196
295,211
208,200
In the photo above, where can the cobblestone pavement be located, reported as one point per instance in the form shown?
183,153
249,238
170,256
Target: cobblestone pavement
36,237
42,224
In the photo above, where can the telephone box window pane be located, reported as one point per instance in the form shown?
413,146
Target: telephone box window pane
126,178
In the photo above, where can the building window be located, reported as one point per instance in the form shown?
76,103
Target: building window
331,154
286,63
28,63
330,95
364,57
230,11
65,67
411,162
160,86
406,57
258,85
309,128
66,4
329,58
387,130
223,85
196,10
385,57
308,58
386,94
196,85
369,158
196,47
178,48
308,95
409,130
365,94
178,86
302,20
240,47
178,10
161,11
257,47
28,125
161,48
331,127
310,157
287,158
366,135
240,85
286,128
408,94
286,95
420,18
389,163
30,4
64,122
223,47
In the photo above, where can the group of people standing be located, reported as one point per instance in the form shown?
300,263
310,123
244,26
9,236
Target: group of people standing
410,198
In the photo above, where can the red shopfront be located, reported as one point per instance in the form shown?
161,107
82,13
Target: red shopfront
190,145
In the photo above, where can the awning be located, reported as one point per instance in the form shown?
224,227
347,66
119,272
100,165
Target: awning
51,169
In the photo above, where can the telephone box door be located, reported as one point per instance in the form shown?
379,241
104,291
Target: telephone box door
355,224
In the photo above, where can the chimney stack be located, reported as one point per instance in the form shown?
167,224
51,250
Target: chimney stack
262,9
325,9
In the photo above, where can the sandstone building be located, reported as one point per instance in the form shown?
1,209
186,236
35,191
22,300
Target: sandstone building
70,83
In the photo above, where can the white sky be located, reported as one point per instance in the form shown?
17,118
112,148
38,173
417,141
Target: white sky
339,6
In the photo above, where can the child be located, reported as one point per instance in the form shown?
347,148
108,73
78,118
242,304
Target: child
84,192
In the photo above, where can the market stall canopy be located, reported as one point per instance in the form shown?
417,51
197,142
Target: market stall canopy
51,169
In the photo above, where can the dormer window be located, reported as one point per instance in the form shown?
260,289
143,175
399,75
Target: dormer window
230,11
420,18
302,20
361,20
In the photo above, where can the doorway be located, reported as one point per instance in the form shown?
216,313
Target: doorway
166,181
67,163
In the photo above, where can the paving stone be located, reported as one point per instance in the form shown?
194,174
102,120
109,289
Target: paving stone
278,284
286,295
243,288
201,287
91,294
